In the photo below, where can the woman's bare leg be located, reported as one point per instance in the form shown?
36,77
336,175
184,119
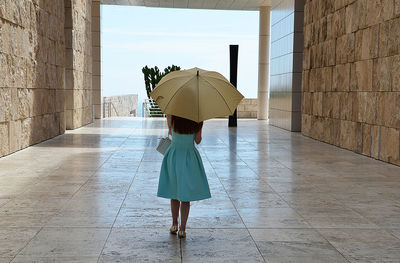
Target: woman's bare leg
175,211
185,207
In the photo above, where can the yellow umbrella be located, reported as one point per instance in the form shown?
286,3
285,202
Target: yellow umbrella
196,94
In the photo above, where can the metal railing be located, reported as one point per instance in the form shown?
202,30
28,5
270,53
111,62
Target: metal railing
108,108
151,109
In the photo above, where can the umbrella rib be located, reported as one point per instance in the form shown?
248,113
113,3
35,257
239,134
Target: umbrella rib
177,92
219,94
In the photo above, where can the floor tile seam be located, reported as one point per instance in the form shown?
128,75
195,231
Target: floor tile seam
330,195
27,243
348,259
122,203
254,242
280,196
390,233
86,181
55,214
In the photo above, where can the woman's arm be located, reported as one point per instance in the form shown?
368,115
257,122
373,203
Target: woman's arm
169,124
197,136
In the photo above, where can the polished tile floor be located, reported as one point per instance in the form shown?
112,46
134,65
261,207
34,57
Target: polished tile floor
90,196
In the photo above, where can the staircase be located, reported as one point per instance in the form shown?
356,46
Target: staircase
151,109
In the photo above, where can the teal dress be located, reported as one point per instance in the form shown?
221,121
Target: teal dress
182,175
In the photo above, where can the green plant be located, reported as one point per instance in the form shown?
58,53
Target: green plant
151,78
153,75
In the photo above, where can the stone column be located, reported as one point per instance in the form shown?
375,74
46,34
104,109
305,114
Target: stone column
263,63
96,56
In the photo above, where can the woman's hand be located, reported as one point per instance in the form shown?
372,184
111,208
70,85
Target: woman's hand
197,136
169,124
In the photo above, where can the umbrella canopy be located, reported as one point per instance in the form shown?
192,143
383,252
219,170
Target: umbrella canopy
196,94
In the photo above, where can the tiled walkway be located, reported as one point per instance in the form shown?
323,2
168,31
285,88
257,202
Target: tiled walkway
90,196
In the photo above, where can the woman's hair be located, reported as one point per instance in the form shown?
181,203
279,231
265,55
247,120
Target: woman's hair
185,126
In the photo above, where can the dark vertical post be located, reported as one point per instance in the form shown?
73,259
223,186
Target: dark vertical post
233,62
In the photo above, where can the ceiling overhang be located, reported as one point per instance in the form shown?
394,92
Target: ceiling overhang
244,5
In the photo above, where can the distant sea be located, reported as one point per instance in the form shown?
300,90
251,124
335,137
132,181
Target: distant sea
139,110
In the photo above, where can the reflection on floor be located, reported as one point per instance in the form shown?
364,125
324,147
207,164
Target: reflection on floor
90,196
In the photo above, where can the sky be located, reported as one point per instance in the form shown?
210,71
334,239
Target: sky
133,37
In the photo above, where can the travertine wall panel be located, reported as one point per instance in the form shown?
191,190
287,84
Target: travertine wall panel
351,80
78,54
31,72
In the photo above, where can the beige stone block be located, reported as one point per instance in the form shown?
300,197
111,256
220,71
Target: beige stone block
14,104
361,75
306,103
339,22
60,101
341,78
396,112
375,138
240,107
327,106
250,107
305,124
351,18
395,73
338,4
317,104
346,106
51,101
382,74
387,110
328,134
367,139
367,107
62,123
69,99
306,58
60,77
313,80
367,43
328,53
26,132
25,103
397,8
5,104
15,135
336,132
68,115
389,144
394,36
304,80
69,79
355,108
351,135
37,134
316,127
336,97
345,48
4,139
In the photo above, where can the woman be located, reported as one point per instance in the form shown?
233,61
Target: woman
182,176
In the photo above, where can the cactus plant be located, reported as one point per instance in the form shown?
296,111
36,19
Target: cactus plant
151,78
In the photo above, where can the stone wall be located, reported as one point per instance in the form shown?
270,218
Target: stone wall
351,79
247,108
120,106
31,72
96,59
286,64
78,72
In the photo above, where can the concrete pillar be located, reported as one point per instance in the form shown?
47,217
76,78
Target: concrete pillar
263,63
96,59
